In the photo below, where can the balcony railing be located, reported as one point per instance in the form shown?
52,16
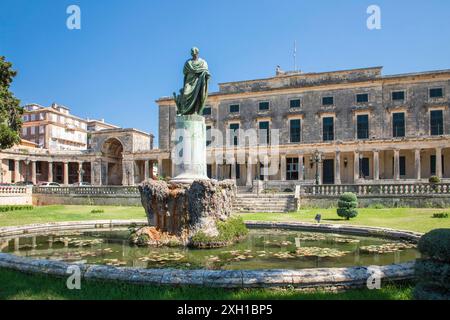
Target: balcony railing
10,190
377,189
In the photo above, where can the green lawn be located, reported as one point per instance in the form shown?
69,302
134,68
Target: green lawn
20,286
69,213
414,219
419,220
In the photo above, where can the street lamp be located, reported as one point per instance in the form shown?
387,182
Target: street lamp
316,159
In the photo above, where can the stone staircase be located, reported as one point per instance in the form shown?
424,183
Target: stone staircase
270,203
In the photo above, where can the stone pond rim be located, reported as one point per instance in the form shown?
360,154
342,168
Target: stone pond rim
344,278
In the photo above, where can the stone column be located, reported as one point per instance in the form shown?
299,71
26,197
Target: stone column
249,181
376,165
50,171
160,167
146,170
33,172
93,182
152,176
417,166
301,161
337,171
66,173
283,167
396,165
16,170
80,171
319,171
128,173
439,162
356,167
233,170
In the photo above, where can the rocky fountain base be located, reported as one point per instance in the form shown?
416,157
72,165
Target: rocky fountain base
197,214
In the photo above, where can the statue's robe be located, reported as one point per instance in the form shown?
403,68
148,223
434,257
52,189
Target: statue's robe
195,90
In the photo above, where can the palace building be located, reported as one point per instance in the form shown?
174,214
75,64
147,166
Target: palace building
335,128
343,127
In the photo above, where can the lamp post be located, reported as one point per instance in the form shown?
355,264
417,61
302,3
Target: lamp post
317,159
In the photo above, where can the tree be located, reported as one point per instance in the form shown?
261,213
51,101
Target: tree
10,110
348,202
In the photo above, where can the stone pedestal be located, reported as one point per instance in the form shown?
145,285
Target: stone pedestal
189,152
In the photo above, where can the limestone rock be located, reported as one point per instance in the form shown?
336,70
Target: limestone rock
184,210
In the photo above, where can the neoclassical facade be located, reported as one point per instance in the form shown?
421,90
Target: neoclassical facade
344,127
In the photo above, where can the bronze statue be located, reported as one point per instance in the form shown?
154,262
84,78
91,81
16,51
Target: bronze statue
193,96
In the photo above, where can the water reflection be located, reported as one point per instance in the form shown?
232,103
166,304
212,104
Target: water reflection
262,249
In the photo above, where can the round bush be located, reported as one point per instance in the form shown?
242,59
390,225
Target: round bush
433,272
348,197
347,204
425,291
436,245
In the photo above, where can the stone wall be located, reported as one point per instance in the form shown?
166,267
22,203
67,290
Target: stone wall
15,196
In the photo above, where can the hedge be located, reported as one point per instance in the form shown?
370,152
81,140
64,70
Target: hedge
15,208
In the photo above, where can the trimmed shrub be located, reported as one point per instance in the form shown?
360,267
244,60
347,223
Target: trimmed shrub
433,270
97,211
436,245
347,204
15,208
425,291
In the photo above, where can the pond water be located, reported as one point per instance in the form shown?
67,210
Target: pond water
262,249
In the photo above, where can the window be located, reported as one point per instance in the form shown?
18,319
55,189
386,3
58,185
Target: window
33,117
328,128
11,165
207,111
398,95
433,165
362,98
41,129
398,121
234,134
402,166
238,171
295,103
436,93
327,101
234,108
39,167
364,167
33,131
208,136
264,132
436,123
25,118
264,106
362,124
24,131
292,169
295,129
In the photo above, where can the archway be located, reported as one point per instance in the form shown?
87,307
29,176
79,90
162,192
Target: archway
112,173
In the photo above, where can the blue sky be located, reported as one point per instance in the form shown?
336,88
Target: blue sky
130,52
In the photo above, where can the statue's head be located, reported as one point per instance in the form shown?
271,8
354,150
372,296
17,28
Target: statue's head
195,52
